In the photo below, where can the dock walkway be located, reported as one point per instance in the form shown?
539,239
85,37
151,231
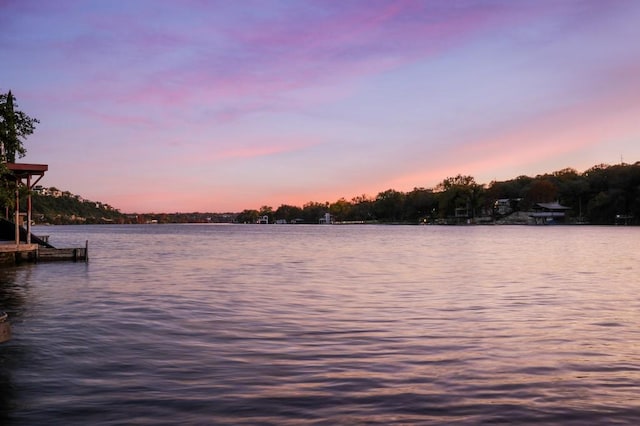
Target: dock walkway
37,250
12,254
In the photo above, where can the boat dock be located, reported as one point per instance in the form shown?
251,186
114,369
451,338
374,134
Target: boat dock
49,254
12,254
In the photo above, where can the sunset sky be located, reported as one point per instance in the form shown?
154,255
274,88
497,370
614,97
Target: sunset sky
215,106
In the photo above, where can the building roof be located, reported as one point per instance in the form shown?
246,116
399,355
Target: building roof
552,206
24,169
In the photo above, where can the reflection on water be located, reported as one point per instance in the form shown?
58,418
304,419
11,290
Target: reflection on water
13,297
326,325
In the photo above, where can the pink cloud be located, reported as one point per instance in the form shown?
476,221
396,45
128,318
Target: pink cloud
114,119
249,65
261,59
257,148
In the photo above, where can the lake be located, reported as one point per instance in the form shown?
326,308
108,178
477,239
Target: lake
326,325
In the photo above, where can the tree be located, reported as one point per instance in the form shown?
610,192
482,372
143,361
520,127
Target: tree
248,216
460,196
340,210
266,211
288,213
15,126
313,211
542,190
362,208
420,204
389,206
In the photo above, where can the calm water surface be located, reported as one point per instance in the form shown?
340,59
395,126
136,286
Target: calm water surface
244,324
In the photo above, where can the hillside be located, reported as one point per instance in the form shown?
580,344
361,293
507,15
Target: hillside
56,207
52,206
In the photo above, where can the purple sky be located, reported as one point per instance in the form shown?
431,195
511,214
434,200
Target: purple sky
167,106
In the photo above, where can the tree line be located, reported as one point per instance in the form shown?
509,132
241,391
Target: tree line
602,194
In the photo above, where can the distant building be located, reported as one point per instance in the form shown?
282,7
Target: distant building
624,219
326,219
544,213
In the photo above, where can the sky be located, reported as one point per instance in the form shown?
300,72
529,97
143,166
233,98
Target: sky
220,105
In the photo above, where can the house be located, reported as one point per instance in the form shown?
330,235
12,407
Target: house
547,213
624,219
505,206
327,220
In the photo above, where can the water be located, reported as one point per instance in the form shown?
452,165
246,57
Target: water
243,324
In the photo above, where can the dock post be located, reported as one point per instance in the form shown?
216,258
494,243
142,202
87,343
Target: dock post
17,217
86,251
28,209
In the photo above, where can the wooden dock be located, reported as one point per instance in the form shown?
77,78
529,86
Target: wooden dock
13,254
17,245
79,254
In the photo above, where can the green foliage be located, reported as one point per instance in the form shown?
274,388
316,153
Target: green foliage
312,211
290,214
341,210
421,205
7,188
15,126
390,206
69,209
460,197
361,209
